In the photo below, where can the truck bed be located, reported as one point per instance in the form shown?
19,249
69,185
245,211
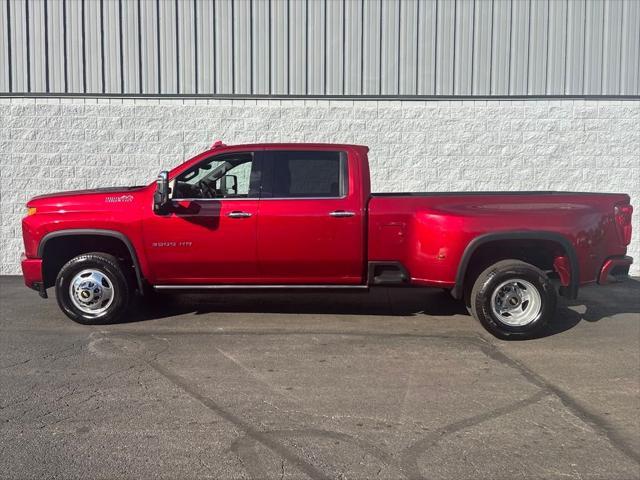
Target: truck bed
429,231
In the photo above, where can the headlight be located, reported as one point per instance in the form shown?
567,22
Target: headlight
31,210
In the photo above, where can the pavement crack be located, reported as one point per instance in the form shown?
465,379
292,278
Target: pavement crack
598,423
252,432
16,364
55,355
411,455
257,376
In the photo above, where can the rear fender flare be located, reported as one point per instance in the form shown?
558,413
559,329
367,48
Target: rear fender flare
574,280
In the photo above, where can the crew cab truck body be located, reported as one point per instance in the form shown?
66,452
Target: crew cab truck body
302,216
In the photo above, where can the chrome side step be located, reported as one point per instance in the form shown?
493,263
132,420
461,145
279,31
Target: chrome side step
259,287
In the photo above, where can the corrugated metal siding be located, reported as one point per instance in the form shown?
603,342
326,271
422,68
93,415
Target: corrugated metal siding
501,46
321,47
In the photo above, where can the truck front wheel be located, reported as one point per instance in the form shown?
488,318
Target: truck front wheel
513,299
92,289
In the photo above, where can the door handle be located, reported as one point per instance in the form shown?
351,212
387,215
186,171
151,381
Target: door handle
237,214
342,213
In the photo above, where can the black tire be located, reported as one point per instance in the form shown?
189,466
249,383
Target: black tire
493,277
108,266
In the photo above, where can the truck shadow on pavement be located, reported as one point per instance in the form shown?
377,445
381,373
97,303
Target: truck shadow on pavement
594,304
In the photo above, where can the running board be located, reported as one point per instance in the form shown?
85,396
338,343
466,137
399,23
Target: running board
259,287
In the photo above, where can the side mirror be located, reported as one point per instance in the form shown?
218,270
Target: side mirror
229,185
161,197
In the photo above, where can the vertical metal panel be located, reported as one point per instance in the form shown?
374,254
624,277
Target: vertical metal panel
112,53
149,46
224,46
389,46
38,46
4,48
574,75
279,47
519,47
168,46
321,47
408,62
445,28
55,41
427,34
316,47
482,48
19,58
242,47
501,43
594,23
335,47
557,46
93,46
205,39
371,48
538,24
186,46
261,47
612,46
463,50
297,47
130,47
353,15
630,54
75,47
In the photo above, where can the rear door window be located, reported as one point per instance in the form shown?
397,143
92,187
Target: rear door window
307,174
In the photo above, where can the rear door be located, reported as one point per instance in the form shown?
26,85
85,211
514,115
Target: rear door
311,222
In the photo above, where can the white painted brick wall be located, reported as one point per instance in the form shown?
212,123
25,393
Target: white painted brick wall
48,145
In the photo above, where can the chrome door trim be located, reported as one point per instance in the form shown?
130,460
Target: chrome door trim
221,199
256,287
224,199
304,198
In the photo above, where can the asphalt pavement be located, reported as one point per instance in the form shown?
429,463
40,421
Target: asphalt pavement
385,384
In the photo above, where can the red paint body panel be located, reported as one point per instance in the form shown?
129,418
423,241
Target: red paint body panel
296,241
300,243
199,243
31,271
429,234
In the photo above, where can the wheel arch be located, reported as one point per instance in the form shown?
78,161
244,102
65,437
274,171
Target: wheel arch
482,240
113,234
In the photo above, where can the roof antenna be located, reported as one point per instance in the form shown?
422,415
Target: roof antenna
217,144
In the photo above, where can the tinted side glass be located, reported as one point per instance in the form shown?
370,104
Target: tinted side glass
309,174
231,175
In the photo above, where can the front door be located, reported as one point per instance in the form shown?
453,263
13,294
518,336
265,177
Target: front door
208,234
311,224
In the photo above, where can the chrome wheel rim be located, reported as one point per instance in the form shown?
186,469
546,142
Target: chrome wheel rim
92,292
516,302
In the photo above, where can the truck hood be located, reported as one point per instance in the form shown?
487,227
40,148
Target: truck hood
115,191
108,200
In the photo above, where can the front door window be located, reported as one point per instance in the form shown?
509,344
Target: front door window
223,176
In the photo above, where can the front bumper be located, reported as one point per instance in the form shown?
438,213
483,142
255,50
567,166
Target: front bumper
32,274
614,269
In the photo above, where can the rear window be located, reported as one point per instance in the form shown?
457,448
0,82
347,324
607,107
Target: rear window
309,174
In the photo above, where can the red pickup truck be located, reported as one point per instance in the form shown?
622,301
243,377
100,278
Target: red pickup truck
302,216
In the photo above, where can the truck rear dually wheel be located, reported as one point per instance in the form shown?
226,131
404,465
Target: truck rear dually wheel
513,299
92,289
